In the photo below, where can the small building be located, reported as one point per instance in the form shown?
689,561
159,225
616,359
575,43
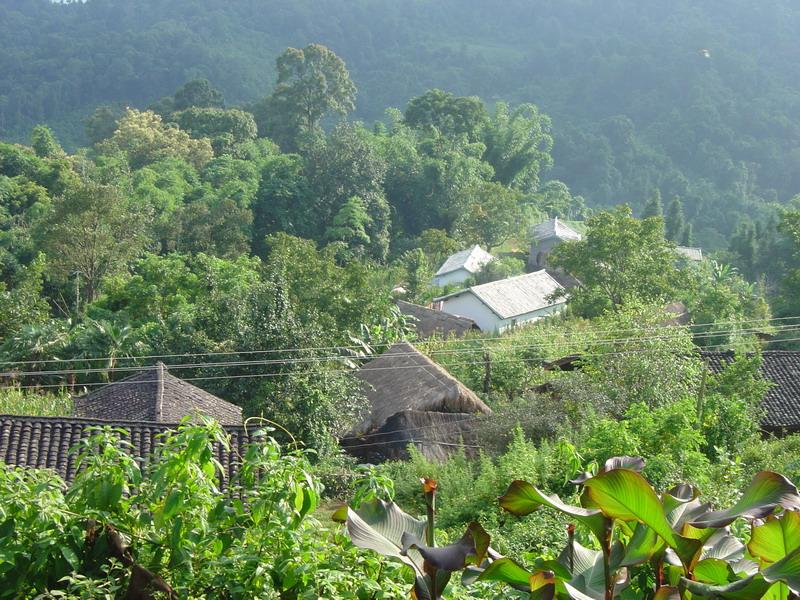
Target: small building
412,400
154,396
547,236
428,322
781,405
45,443
461,266
690,253
499,305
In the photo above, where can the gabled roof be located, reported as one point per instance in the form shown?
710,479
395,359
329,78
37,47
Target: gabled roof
430,322
515,296
554,229
690,253
154,396
402,378
45,442
782,402
472,260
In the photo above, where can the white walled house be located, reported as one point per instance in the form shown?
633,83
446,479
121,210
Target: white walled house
461,266
506,303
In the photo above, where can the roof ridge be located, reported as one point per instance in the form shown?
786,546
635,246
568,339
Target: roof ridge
160,393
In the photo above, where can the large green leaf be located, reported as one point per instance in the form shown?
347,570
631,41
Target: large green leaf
644,544
765,493
521,499
378,525
776,538
632,463
754,587
626,495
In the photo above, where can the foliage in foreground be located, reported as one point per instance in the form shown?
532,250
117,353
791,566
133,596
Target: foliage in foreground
122,529
636,543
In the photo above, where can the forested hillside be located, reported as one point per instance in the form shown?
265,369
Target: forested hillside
697,100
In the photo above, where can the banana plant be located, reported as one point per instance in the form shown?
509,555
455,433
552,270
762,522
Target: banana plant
687,545
384,528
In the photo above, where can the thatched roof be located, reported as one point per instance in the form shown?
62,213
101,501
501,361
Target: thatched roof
435,434
430,322
154,396
402,378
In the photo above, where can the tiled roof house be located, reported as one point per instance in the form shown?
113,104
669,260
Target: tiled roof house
45,442
154,396
501,304
782,402
428,322
462,265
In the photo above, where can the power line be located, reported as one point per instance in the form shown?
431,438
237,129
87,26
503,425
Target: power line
339,358
332,371
494,338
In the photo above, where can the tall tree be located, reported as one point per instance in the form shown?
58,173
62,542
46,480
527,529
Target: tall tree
452,115
44,143
312,82
490,216
143,139
654,206
620,260
518,144
198,93
92,231
674,221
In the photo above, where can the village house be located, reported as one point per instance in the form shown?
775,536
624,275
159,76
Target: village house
781,406
461,266
154,396
412,400
547,236
46,443
428,322
144,405
500,305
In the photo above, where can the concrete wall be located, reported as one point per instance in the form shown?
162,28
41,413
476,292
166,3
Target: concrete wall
468,305
539,253
459,276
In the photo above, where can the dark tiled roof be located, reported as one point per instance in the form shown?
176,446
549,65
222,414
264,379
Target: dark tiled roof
782,403
154,396
45,442
430,321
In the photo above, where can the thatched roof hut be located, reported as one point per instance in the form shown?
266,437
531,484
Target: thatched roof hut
403,380
434,434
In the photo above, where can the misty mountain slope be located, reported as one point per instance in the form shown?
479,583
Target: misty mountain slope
697,100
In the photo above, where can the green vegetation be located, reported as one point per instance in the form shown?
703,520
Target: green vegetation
253,237
675,97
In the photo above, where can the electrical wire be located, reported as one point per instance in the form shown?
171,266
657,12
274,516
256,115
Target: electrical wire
338,358
400,367
493,338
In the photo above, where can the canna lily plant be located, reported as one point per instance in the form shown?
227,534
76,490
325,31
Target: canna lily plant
384,528
687,546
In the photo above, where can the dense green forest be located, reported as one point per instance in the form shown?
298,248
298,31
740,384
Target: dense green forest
698,100
243,191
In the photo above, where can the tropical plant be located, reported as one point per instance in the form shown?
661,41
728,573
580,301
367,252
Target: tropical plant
383,527
660,546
